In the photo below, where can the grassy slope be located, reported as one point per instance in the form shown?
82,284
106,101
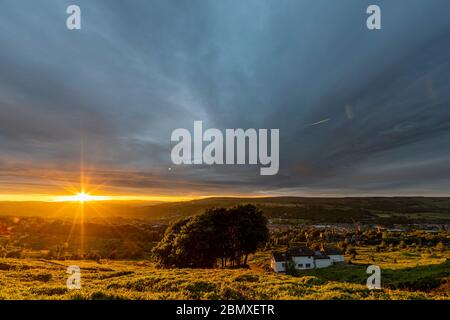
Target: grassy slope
405,275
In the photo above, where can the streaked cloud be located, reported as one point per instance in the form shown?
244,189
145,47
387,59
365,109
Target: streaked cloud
359,112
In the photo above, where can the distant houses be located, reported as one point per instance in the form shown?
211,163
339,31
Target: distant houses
304,258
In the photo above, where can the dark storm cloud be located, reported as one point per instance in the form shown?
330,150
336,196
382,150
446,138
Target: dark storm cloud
359,111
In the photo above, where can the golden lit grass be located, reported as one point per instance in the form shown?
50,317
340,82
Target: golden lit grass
35,279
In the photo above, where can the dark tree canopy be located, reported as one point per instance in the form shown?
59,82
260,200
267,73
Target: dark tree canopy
226,234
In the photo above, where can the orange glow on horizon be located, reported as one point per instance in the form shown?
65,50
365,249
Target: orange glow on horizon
73,198
81,197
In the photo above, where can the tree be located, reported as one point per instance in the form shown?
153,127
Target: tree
195,245
248,230
225,234
440,247
352,252
165,250
290,267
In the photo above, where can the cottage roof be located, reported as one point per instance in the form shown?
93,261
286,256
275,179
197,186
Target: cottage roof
332,251
321,256
279,256
300,251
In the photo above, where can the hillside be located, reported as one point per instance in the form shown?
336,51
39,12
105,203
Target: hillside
364,209
332,210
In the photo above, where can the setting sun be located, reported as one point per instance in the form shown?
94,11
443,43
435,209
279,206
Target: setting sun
81,197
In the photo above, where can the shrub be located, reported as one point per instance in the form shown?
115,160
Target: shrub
43,277
440,247
228,293
49,291
5,266
311,280
247,278
100,295
197,288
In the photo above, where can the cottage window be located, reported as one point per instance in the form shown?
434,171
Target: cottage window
308,265
300,265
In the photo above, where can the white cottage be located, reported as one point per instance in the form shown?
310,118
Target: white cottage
335,255
305,258
302,257
321,260
278,262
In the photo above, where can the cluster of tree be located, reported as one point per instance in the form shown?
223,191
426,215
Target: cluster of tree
228,235
360,236
34,237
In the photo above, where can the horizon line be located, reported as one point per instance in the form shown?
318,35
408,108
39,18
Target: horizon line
167,199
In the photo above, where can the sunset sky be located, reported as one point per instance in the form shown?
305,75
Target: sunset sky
360,112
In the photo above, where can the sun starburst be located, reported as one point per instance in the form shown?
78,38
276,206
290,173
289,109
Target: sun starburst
81,197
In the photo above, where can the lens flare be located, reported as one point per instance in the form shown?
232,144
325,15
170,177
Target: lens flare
81,197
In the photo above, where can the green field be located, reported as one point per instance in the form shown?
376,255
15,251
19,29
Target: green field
406,274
